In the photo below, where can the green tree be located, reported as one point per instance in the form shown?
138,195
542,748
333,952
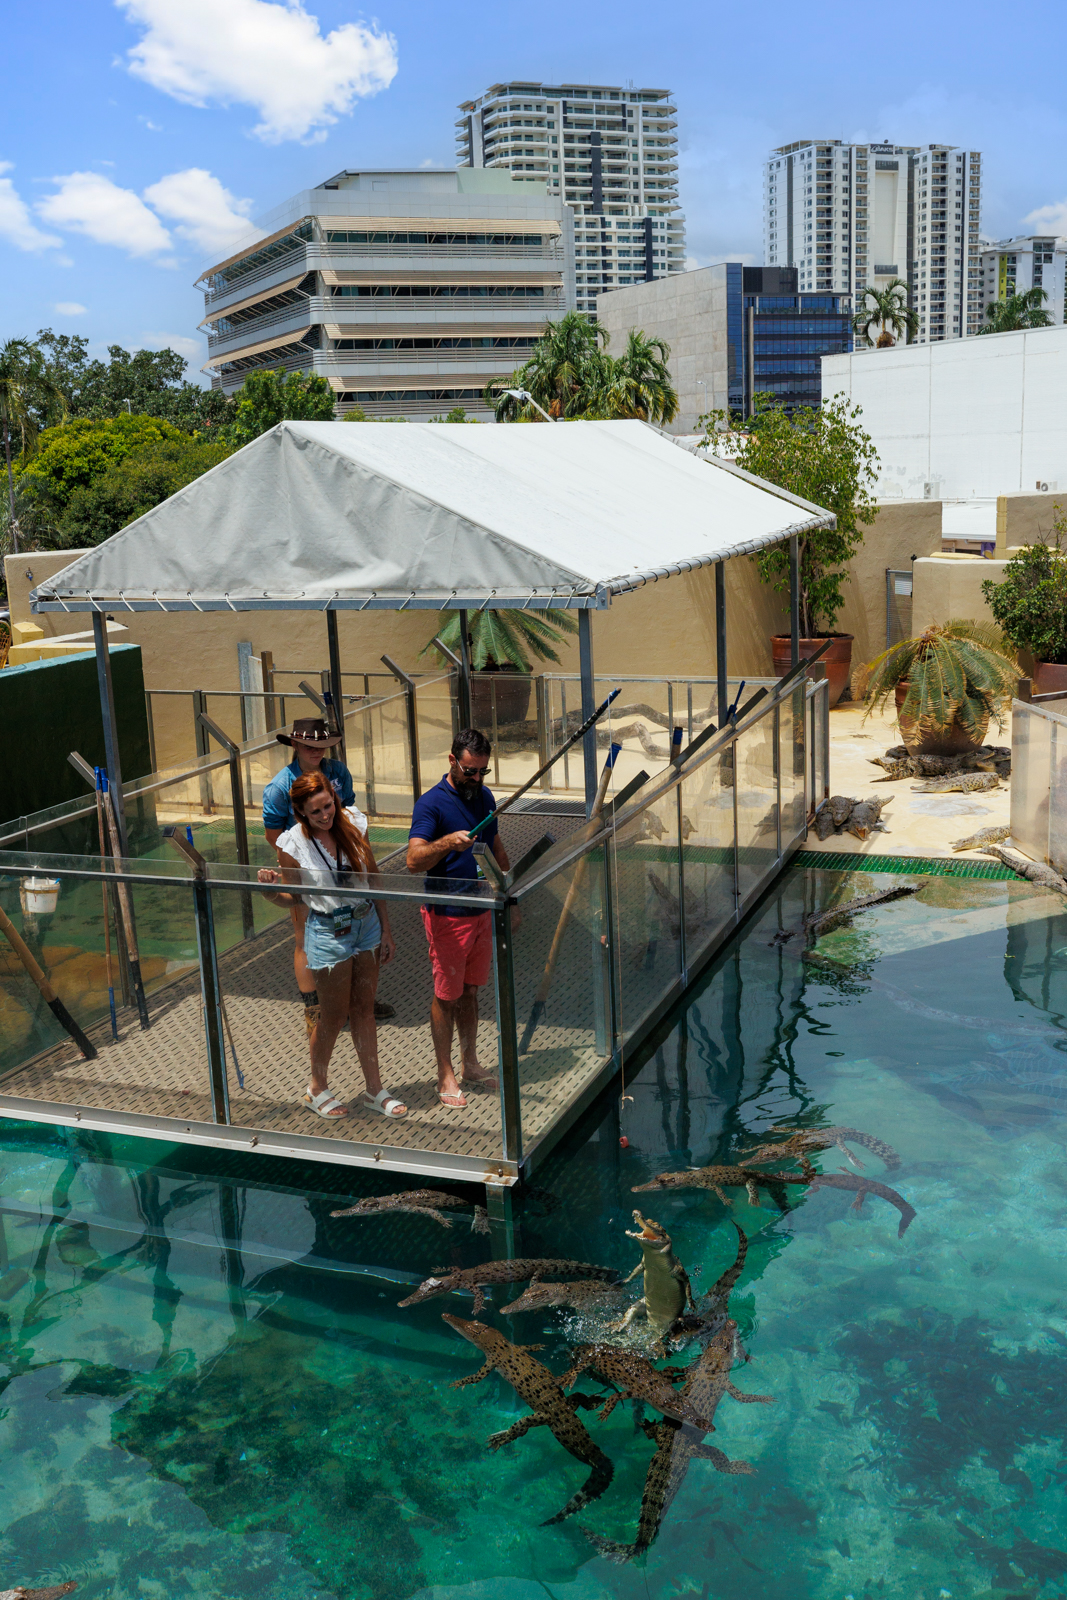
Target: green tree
822,456
1030,603
148,383
567,374
887,309
507,638
1017,311
27,393
639,381
267,398
132,486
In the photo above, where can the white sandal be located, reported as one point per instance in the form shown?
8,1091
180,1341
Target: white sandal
383,1102
325,1104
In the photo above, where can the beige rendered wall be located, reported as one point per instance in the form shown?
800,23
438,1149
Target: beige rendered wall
951,586
902,529
1026,518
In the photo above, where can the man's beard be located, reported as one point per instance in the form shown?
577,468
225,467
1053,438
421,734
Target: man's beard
468,789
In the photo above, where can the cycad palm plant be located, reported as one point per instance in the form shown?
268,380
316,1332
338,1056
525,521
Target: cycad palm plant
1017,311
958,674
507,638
887,309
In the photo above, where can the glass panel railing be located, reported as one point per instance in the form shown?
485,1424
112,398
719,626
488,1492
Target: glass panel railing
708,855
756,796
645,889
1031,770
791,765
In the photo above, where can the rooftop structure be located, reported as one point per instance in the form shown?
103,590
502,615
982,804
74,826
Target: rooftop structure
608,151
408,291
855,216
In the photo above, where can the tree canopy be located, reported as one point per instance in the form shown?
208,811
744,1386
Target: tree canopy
571,376
266,398
888,310
1024,310
153,383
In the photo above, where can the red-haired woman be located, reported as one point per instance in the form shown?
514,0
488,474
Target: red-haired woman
343,940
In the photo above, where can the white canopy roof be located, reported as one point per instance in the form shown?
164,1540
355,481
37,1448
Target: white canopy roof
333,515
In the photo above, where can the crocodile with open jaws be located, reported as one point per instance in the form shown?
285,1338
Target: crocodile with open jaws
588,1296
666,1283
472,1280
635,1378
679,1443
722,1178
805,1141
550,1407
422,1202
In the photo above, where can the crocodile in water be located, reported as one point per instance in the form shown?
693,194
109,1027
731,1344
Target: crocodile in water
862,1187
723,1178
677,1444
587,1296
38,1594
422,1202
805,1141
550,1407
635,1378
666,1282
1034,871
714,1308
472,1280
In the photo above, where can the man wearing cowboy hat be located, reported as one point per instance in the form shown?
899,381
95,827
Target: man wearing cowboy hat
309,738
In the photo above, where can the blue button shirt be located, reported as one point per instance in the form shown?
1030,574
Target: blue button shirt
442,810
277,810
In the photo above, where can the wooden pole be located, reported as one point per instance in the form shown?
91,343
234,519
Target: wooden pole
48,994
537,1010
127,916
107,908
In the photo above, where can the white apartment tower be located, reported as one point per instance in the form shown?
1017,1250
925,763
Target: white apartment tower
609,153
853,216
1011,266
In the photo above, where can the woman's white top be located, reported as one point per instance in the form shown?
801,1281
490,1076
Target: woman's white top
317,862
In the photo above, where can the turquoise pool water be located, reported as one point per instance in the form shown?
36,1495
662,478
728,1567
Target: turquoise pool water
208,1389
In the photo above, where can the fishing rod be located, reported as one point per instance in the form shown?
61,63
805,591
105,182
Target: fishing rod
579,733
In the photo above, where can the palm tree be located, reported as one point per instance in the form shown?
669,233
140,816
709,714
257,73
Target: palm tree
27,392
640,382
566,374
887,309
1017,311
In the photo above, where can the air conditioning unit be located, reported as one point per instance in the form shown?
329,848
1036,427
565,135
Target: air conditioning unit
932,490
1045,488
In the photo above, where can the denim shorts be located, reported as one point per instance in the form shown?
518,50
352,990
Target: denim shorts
325,949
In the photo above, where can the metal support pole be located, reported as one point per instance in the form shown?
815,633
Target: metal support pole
794,600
585,656
240,825
466,706
151,729
335,682
107,716
544,732
750,362
211,994
413,724
507,1033
368,749
720,641
203,748
503,1223
266,672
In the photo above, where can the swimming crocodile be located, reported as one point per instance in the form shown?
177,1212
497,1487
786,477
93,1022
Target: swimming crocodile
422,1202
722,1178
677,1444
804,1141
635,1378
710,1316
823,921
450,1280
38,1594
665,1280
550,1407
588,1296
862,1187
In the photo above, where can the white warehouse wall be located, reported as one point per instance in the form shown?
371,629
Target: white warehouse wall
972,417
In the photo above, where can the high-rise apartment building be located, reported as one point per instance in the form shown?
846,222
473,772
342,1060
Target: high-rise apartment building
854,216
1012,266
408,291
609,153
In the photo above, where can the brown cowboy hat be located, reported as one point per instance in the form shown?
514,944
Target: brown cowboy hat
311,731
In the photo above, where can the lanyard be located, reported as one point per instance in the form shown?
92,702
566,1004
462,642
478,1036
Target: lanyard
335,867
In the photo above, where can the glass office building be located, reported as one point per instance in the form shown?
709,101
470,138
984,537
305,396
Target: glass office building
777,336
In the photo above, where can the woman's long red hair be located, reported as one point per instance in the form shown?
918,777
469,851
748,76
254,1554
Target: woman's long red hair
347,838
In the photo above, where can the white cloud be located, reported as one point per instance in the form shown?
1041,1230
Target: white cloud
202,210
258,53
153,127
70,308
16,224
192,349
87,202
1050,219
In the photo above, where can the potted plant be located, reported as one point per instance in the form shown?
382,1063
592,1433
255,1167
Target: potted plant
827,459
1030,604
946,684
504,642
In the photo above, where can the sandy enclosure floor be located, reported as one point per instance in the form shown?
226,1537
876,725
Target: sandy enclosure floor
916,824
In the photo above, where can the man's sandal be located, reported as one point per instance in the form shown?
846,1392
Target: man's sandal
325,1104
385,1103
453,1098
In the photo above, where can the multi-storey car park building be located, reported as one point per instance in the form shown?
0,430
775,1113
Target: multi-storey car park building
855,216
610,153
1012,266
408,291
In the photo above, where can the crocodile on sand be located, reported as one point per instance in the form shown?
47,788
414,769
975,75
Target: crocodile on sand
984,836
959,783
677,1444
472,1280
421,1202
549,1406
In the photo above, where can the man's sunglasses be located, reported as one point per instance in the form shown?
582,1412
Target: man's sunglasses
473,772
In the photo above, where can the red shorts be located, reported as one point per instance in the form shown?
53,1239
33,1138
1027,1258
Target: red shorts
461,949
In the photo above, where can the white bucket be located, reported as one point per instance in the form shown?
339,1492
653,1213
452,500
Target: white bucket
39,896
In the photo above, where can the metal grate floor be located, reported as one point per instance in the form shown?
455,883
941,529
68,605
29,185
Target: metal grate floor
937,866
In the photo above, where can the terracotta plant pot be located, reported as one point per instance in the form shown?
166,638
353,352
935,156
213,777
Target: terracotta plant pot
1050,677
952,741
837,660
512,691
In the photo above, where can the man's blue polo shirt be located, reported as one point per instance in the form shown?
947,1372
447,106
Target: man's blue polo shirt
442,810
277,811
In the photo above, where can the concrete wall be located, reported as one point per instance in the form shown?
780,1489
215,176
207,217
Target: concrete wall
974,417
689,311
1027,518
951,586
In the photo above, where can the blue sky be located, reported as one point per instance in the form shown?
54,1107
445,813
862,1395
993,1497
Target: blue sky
138,134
